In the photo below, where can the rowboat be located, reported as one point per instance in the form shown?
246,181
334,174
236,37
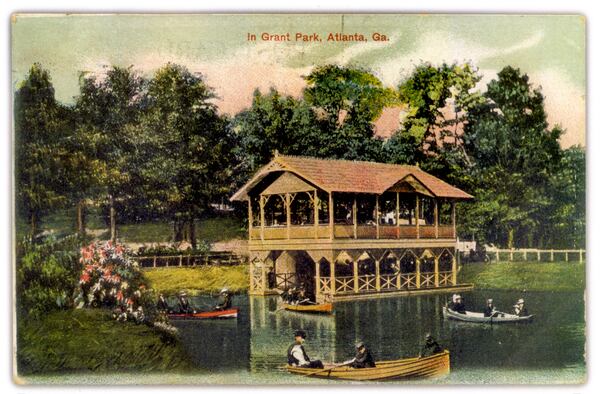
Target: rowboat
416,367
310,308
475,317
224,314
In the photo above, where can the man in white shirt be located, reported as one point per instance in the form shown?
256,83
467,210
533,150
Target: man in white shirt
297,355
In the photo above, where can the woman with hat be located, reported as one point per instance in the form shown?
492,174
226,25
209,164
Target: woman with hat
363,358
490,309
183,304
457,305
224,301
520,309
297,355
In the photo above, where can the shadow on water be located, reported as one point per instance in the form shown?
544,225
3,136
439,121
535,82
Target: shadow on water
393,328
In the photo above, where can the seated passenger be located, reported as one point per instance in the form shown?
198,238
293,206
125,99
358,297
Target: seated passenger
297,355
520,309
363,358
430,347
457,304
224,301
490,309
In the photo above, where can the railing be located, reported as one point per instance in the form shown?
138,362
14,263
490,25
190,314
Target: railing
445,278
427,279
565,255
344,284
186,260
285,280
324,285
367,283
408,281
389,282
344,231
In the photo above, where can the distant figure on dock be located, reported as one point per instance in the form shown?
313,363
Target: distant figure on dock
520,309
297,355
457,305
430,347
224,301
490,309
363,358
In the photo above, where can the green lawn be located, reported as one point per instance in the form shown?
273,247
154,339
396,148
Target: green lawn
556,276
89,340
198,280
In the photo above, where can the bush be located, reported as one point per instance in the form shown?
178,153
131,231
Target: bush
46,274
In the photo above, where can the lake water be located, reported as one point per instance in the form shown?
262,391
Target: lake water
253,348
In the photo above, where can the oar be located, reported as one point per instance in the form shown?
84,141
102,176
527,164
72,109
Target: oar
331,368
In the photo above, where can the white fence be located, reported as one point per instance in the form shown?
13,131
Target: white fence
566,255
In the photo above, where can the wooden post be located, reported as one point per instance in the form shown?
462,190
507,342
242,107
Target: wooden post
497,255
377,216
355,217
398,215
436,270
525,255
250,218
288,214
377,276
567,256
538,255
581,255
551,255
180,260
418,272
332,275
435,217
511,254
263,278
154,262
417,216
317,279
355,272
262,217
454,270
316,205
331,211
453,220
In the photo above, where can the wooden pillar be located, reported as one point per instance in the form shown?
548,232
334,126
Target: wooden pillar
332,275
263,276
511,255
417,216
436,270
355,217
454,269
398,215
538,255
316,208
581,255
435,217
377,216
317,279
262,218
288,214
154,262
551,254
497,255
355,272
453,220
250,218
418,272
377,276
331,212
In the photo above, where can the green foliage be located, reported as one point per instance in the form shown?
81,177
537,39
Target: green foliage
46,275
40,125
90,340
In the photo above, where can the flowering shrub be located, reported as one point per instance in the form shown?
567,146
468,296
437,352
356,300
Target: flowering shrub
109,277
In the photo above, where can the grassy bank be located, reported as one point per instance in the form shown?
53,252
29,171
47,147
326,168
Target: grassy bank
89,340
532,276
198,280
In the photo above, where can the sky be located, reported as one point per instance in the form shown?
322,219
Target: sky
550,49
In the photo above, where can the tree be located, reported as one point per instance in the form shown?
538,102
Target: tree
40,124
108,108
514,154
195,160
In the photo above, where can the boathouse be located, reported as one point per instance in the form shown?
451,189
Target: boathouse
350,229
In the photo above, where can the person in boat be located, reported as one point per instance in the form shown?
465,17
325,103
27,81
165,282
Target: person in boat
457,305
183,303
297,355
303,298
363,357
430,347
224,301
161,304
520,309
490,309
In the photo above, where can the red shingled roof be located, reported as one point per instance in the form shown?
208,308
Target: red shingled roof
350,176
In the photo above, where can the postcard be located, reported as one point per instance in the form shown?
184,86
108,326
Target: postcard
289,199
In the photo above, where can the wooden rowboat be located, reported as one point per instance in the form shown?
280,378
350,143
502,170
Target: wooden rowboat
475,317
425,367
311,308
224,314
